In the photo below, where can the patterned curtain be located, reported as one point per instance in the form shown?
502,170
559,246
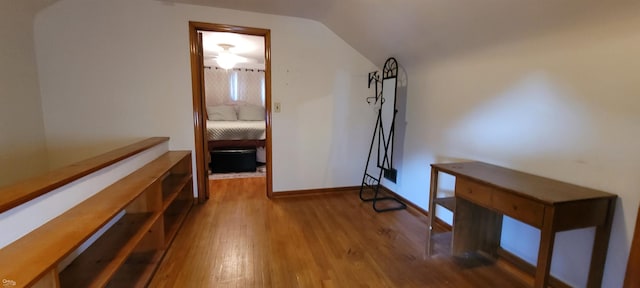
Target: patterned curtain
216,86
250,88
230,87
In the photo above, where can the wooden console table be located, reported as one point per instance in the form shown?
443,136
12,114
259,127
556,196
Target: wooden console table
485,192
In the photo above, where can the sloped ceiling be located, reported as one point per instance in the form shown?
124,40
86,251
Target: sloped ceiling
30,7
419,30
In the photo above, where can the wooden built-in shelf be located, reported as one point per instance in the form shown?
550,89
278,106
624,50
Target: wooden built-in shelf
96,265
174,216
137,270
172,186
152,203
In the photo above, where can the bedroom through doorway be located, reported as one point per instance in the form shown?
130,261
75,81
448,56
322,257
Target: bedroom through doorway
231,99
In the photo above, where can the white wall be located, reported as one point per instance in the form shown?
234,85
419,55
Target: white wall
565,105
113,70
22,139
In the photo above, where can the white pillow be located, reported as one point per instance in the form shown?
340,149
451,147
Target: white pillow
251,113
222,113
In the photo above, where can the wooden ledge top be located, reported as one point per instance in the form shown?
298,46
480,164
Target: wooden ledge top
24,191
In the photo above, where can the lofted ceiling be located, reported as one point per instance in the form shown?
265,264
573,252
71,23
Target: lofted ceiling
422,30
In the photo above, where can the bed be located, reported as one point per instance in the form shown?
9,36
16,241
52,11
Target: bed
235,126
235,134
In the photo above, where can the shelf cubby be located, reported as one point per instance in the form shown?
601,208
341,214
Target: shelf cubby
146,207
101,260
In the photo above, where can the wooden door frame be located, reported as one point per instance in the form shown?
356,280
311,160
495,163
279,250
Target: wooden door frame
198,106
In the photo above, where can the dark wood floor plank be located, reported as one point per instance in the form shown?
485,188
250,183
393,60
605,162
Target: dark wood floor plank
239,238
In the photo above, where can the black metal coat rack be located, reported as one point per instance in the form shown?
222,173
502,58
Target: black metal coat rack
384,152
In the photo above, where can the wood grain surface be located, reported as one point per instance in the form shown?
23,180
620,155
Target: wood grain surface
239,238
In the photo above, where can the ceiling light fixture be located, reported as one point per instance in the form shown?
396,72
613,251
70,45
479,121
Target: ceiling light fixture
225,58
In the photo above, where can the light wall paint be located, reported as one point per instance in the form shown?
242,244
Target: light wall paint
114,70
22,138
564,105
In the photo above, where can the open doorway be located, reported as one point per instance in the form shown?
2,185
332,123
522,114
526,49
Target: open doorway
225,96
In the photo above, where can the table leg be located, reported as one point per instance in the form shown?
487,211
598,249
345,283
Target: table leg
433,190
600,246
545,253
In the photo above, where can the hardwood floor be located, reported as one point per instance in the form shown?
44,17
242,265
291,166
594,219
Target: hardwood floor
239,238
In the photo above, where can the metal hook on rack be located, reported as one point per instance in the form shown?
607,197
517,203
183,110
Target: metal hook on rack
375,79
373,76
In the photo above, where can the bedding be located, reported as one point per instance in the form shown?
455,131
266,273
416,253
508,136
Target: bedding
250,113
222,113
236,130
